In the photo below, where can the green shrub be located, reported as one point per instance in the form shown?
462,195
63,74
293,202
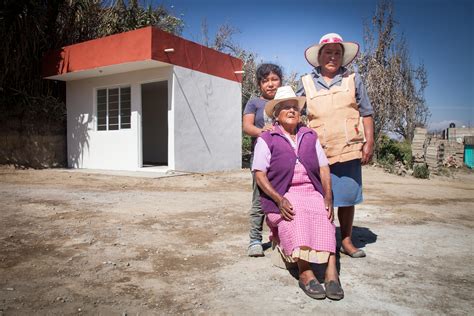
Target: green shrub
390,159
390,150
421,171
406,154
246,144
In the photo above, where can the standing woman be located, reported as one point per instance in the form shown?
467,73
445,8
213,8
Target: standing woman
269,78
339,110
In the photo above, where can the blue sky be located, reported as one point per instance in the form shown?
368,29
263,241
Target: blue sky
440,34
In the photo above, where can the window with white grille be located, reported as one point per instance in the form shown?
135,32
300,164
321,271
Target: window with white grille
113,108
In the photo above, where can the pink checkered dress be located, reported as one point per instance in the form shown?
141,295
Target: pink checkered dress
310,226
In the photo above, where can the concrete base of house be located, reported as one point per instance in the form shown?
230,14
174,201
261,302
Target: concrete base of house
147,172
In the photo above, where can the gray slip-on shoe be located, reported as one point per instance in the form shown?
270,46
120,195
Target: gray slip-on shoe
334,290
359,253
256,250
313,289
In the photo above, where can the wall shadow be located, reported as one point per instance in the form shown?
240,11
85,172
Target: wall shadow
46,148
361,236
79,139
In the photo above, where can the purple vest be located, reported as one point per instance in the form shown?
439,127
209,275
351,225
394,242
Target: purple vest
283,160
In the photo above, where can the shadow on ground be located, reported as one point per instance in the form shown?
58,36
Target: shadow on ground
361,236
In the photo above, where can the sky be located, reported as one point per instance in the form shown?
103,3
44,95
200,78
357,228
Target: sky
439,33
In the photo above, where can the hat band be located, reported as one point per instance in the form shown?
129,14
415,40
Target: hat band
331,40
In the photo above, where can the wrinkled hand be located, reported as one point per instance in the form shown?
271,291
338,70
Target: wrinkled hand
286,209
329,208
367,152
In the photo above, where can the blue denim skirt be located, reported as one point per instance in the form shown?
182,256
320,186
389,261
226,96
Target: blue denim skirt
346,181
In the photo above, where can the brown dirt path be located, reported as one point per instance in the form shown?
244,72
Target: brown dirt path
79,243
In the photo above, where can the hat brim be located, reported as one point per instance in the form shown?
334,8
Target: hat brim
351,49
270,106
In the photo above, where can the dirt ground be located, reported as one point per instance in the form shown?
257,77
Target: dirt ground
83,243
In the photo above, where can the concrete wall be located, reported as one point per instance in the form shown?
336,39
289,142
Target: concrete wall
204,122
116,150
457,134
207,124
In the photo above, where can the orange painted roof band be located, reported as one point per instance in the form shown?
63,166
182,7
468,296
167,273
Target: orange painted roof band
147,43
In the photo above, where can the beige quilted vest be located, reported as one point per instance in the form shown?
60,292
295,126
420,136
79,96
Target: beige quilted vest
334,115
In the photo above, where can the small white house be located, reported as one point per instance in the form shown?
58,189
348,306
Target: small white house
149,99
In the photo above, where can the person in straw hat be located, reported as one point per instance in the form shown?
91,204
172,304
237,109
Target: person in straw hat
292,173
339,110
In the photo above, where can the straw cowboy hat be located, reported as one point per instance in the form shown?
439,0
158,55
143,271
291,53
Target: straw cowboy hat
350,49
284,93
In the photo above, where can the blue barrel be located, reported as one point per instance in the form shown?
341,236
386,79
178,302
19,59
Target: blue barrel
469,155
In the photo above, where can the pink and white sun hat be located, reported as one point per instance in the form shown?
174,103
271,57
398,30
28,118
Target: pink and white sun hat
351,49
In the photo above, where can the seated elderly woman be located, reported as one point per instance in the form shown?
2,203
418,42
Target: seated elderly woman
293,175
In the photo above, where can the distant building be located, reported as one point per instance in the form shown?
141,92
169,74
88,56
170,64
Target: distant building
463,136
469,151
453,148
457,134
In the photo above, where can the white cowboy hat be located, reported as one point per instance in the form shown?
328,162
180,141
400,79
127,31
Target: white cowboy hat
284,93
350,49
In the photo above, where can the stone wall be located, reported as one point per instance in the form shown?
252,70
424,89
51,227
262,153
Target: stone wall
432,158
35,151
441,152
437,152
418,146
451,154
